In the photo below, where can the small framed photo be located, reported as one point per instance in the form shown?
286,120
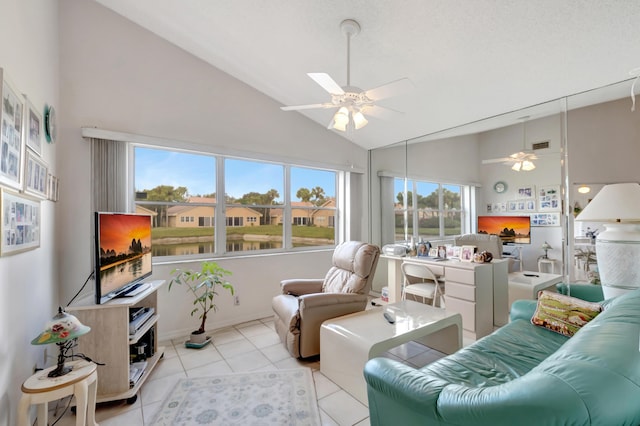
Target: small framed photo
52,187
466,253
456,252
433,252
36,176
442,252
528,191
33,127
450,250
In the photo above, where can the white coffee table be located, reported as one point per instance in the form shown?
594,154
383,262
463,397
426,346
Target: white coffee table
527,284
348,342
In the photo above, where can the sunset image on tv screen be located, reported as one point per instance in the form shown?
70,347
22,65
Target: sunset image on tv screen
516,229
123,236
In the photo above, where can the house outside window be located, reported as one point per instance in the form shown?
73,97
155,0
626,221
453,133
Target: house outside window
179,189
428,210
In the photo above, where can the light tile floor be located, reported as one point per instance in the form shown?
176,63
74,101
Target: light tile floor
250,346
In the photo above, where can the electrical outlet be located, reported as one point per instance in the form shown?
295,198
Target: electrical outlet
236,300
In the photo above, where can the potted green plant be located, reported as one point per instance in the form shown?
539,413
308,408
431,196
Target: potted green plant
204,284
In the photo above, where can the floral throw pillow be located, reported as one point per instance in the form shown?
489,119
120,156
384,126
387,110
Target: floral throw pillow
563,314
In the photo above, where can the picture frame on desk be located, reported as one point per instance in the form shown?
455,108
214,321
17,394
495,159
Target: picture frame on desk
466,253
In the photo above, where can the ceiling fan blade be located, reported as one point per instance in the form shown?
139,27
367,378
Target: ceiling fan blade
310,106
381,112
498,160
326,82
390,89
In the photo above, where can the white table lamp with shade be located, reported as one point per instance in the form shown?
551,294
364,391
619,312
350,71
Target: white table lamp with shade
618,246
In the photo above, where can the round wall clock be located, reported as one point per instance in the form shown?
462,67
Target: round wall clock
500,187
50,123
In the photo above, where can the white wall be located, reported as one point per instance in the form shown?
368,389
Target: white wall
28,284
118,76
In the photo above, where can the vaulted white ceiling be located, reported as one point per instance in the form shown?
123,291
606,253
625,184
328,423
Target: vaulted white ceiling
468,59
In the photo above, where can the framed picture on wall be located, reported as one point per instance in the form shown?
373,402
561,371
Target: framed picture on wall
33,127
545,219
20,223
11,136
36,176
549,198
522,205
528,191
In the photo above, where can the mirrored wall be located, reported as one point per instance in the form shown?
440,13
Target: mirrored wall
590,138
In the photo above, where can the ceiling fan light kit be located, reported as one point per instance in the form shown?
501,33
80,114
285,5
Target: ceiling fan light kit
352,102
522,160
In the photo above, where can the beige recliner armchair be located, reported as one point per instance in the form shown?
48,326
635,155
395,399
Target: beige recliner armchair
306,303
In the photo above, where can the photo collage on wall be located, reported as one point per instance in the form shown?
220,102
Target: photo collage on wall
542,205
25,178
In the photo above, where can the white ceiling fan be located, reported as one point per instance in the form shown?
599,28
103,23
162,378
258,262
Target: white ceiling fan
521,160
352,102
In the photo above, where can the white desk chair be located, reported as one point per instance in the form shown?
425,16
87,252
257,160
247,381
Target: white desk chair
420,281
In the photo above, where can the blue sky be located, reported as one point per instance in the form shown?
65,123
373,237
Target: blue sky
197,172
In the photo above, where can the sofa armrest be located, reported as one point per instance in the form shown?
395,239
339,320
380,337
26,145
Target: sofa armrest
412,394
587,292
298,287
523,309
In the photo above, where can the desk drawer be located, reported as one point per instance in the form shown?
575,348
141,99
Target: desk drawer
460,291
465,276
466,309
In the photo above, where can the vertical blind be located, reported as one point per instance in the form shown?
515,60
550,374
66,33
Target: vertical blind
109,167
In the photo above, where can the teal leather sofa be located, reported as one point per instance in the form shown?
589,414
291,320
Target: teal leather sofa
521,374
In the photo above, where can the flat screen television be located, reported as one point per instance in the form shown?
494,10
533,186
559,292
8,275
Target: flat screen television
510,229
122,253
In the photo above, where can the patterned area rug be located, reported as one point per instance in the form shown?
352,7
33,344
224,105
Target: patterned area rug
280,397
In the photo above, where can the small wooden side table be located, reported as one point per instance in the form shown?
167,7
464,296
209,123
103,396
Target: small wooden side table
39,389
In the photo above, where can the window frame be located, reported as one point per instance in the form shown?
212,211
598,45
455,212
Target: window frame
219,219
411,212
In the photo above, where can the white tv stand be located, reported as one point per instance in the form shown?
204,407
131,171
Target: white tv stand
109,341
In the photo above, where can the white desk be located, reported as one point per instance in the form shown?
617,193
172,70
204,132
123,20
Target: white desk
478,291
522,286
348,342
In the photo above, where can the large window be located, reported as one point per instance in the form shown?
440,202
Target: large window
428,210
178,189
313,205
265,206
